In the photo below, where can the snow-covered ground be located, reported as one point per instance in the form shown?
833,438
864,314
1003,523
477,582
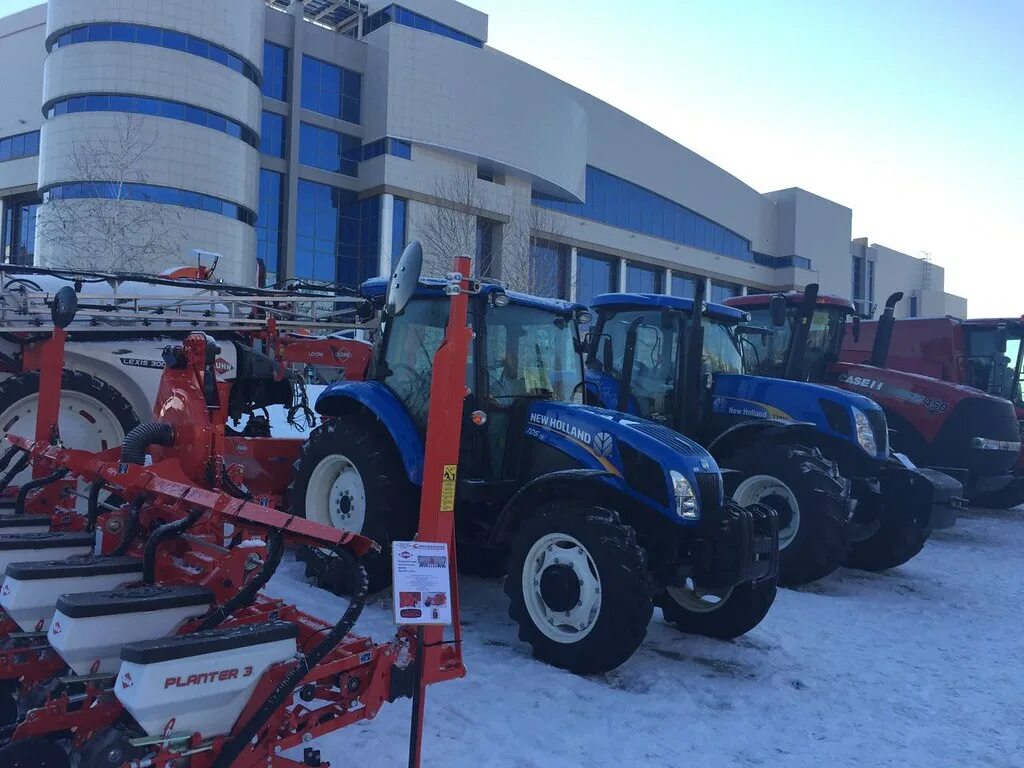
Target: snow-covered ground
920,666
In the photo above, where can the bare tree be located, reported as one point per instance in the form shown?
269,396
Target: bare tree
103,224
455,224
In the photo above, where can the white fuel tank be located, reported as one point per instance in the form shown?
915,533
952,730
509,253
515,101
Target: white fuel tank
199,683
88,630
30,590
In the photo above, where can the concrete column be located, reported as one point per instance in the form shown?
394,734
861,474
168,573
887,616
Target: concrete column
387,218
291,180
707,289
744,290
622,275
667,287
573,273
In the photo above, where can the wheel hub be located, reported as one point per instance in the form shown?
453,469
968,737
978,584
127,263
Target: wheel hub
560,587
779,503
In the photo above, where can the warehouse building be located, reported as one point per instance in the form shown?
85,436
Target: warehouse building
313,139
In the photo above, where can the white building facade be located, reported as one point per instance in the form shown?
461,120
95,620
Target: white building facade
313,140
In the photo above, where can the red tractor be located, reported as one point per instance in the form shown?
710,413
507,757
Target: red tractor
987,354
963,431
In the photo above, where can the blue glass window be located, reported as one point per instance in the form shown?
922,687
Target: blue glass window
594,275
272,134
549,264
484,255
387,146
685,286
722,291
331,90
338,237
398,227
19,145
620,203
643,279
151,193
19,228
781,262
144,105
329,150
162,38
275,71
269,225
398,15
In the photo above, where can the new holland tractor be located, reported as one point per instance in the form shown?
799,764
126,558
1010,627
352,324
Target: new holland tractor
818,455
593,515
984,353
958,430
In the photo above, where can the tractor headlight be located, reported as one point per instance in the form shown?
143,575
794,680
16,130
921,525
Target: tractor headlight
865,434
686,499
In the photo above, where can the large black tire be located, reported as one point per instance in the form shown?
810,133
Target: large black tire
619,610
893,544
819,544
26,385
1008,498
34,753
389,498
742,608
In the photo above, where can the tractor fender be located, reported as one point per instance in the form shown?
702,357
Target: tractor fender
374,398
596,485
762,429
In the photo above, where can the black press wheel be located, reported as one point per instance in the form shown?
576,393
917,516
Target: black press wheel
578,587
721,614
811,498
894,543
349,476
1007,498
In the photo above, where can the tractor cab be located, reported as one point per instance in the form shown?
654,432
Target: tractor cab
994,357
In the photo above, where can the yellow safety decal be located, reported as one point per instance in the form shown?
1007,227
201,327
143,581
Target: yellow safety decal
448,487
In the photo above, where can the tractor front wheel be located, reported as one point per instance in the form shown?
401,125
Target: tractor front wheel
721,614
578,587
893,544
349,476
810,496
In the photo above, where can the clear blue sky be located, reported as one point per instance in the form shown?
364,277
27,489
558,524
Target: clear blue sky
911,112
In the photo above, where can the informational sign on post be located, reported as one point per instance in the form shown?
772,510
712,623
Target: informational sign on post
422,582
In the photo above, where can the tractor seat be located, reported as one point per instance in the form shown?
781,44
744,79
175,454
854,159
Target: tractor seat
75,567
209,641
137,600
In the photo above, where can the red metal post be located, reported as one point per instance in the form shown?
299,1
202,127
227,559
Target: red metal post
51,372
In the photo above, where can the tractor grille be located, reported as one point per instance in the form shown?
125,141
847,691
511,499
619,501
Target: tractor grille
709,487
670,437
880,428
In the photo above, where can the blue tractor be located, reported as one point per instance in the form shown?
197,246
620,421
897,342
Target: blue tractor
818,455
593,516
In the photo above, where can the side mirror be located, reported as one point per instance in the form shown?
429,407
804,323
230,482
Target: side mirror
403,281
64,307
777,310
856,327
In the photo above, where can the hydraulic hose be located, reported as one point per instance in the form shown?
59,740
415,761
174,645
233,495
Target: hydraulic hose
142,437
6,456
19,465
132,530
244,597
233,748
93,505
158,536
31,485
238,491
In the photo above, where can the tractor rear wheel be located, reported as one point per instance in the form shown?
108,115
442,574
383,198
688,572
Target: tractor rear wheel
34,753
349,476
578,587
893,544
724,614
810,496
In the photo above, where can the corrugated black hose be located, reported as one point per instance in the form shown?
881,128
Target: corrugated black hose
156,538
233,748
132,530
31,485
19,465
133,451
244,597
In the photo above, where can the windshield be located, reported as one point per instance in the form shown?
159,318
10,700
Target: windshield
531,353
993,369
767,355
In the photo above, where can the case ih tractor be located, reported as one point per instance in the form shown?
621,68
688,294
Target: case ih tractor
959,430
595,516
987,354
800,448
161,650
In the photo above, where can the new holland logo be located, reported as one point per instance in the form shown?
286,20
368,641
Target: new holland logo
604,444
